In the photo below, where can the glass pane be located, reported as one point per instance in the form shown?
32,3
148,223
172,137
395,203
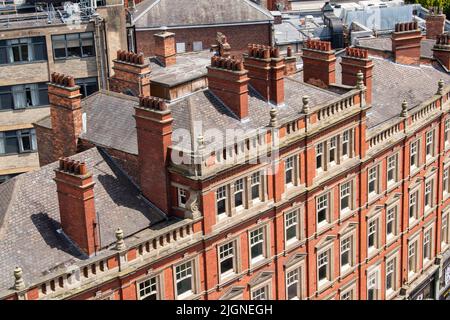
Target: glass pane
226,265
39,52
6,101
3,55
255,191
238,199
257,250
26,143
292,291
24,52
43,97
291,233
12,145
184,285
16,54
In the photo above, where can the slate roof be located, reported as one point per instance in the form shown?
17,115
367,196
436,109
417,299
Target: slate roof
189,66
29,208
393,82
385,44
176,13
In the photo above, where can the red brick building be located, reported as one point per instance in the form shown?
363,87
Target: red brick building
196,23
333,183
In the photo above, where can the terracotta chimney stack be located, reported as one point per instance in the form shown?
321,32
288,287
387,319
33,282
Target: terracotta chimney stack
406,43
441,50
228,80
435,24
165,48
75,188
154,137
356,60
131,74
319,63
66,115
266,70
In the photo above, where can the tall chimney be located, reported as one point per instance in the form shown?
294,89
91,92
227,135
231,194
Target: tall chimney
165,49
66,115
406,43
228,80
266,72
131,74
441,50
356,60
75,188
154,137
435,24
319,63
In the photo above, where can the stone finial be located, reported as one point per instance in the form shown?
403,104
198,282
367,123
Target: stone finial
273,117
19,284
404,109
360,80
440,87
305,101
120,243
201,143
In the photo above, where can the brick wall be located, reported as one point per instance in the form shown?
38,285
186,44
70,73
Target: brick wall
237,36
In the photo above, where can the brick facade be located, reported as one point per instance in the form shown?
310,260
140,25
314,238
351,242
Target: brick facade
238,37
378,223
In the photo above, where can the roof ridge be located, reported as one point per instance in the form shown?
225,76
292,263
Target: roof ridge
12,198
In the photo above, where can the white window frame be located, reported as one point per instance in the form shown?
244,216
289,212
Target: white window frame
265,244
429,144
332,149
292,218
429,194
323,201
346,190
255,181
346,245
392,215
447,132
193,276
392,165
428,236
289,278
413,247
197,46
445,231
290,167
346,141
181,47
239,187
320,152
141,294
182,193
373,282
325,258
413,200
221,195
391,269
414,149
372,176
225,254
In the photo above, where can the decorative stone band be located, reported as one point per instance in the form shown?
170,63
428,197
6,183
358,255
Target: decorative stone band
73,167
62,80
130,57
152,103
357,53
262,52
227,63
406,26
318,45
